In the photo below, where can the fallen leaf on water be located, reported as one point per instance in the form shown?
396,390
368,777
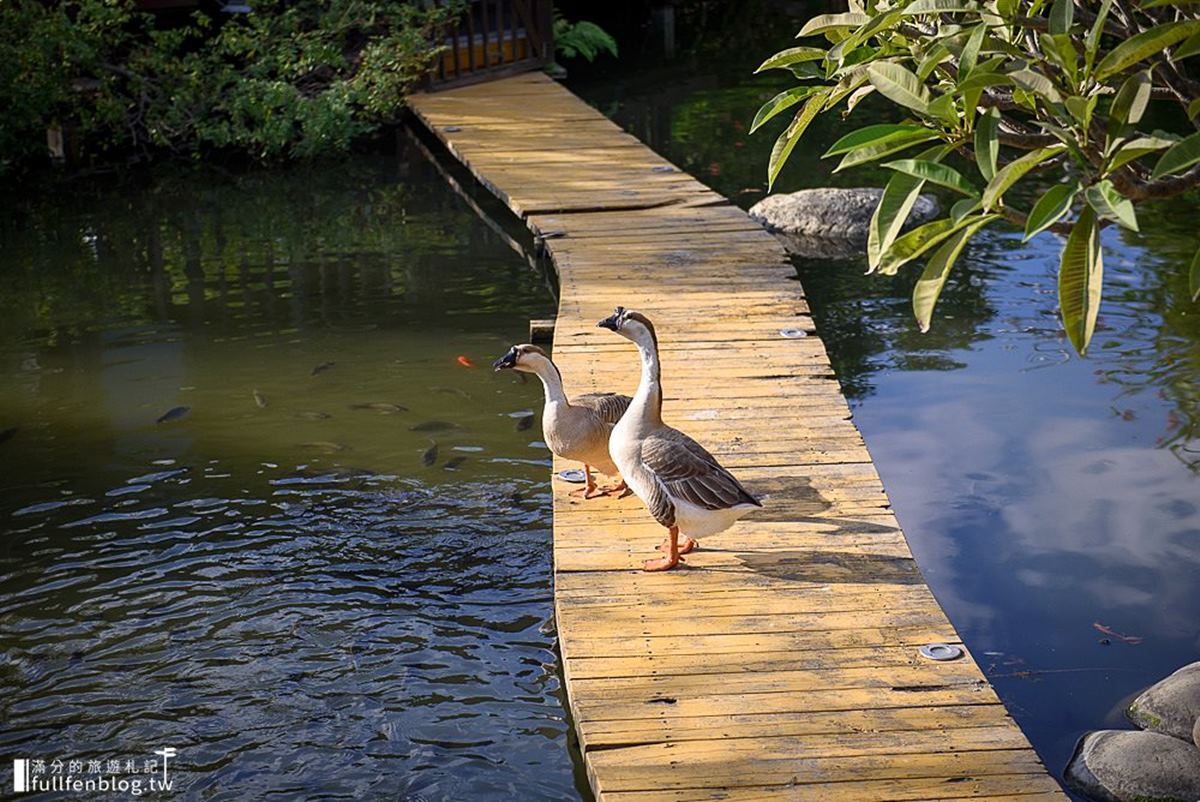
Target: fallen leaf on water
1132,640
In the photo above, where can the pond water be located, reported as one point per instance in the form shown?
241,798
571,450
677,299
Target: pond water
1044,495
288,584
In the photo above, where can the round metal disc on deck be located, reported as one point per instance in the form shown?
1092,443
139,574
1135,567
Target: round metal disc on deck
941,651
573,475
792,334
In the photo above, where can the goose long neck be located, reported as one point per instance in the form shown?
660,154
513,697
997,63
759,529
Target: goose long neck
552,381
648,399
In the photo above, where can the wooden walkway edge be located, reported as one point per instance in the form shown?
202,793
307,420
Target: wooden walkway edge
782,662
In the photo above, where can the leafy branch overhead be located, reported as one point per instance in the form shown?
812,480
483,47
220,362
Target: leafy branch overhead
1019,87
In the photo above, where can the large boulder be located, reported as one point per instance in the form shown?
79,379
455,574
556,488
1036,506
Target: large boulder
829,222
1135,766
1171,705
1196,734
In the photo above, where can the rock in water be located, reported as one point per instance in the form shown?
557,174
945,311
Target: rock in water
1129,765
829,222
1171,705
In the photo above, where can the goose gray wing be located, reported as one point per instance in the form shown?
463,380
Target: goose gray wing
609,407
684,469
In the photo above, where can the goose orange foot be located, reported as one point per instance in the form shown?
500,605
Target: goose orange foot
686,544
591,490
661,564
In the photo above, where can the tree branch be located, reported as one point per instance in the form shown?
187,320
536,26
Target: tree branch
1134,188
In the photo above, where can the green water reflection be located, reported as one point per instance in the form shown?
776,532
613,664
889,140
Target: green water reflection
328,571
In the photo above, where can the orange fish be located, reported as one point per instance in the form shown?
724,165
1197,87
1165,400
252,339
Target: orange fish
466,363
1132,640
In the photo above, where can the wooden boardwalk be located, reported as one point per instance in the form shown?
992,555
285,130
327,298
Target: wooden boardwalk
781,663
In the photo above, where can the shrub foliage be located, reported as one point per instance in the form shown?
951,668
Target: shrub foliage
1018,87
291,79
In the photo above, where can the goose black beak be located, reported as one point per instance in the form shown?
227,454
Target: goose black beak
506,362
613,321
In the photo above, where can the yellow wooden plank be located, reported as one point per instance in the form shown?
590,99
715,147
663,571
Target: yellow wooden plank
781,663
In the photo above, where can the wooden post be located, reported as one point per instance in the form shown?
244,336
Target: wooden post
541,330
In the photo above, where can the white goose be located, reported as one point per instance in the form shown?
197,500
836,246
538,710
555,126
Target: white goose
577,428
683,486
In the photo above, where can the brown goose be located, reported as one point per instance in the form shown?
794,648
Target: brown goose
577,428
683,486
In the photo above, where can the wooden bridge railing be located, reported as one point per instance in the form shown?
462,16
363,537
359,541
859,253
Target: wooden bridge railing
493,38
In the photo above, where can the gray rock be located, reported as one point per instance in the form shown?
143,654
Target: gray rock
1171,705
829,222
1134,766
1196,734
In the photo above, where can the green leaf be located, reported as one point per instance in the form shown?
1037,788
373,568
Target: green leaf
1143,45
1080,276
1182,155
964,207
1062,14
1060,50
1110,204
1050,208
938,7
1091,44
828,22
970,52
1131,99
1012,172
1193,109
1194,278
1037,83
857,97
982,80
793,55
1137,148
936,55
1189,48
877,25
781,102
898,197
1081,109
870,153
852,81
937,270
942,108
913,244
922,239
987,143
934,172
899,85
791,135
872,134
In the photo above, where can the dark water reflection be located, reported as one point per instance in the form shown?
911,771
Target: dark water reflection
276,584
1042,493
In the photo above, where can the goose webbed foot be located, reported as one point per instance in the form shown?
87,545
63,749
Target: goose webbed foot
686,544
590,490
620,490
661,563
672,558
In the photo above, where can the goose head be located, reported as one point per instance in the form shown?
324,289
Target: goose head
631,325
524,358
